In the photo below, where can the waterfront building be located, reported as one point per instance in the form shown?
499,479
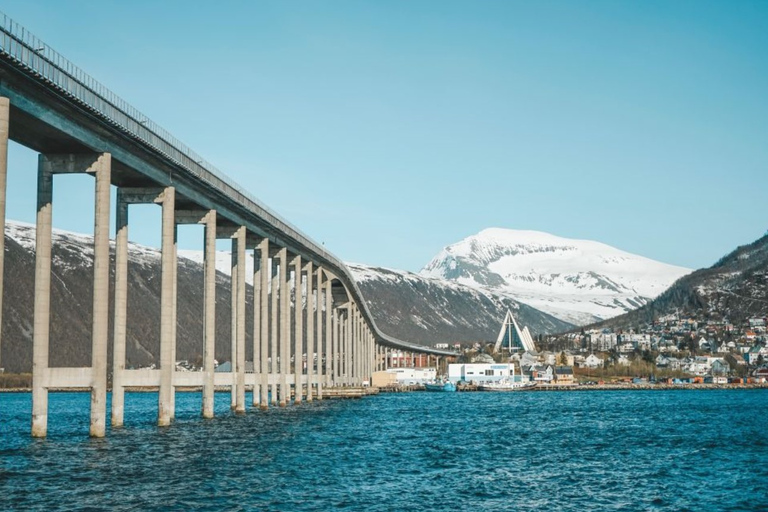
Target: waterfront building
480,372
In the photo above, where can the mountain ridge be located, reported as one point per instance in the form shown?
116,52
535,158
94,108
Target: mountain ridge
579,281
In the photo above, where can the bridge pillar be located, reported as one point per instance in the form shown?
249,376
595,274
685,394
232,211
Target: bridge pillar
238,245
348,347
331,334
256,395
285,327
274,330
311,340
165,411
209,313
337,351
166,197
100,165
4,120
322,349
208,219
354,350
298,330
121,310
42,311
265,276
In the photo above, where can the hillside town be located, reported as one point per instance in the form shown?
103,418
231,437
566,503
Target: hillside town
672,347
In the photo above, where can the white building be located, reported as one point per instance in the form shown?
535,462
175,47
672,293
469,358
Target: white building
481,372
592,361
512,337
407,376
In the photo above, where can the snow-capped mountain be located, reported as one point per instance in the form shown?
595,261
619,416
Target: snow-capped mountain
578,281
429,310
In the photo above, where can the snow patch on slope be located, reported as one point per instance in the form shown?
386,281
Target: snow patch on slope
578,281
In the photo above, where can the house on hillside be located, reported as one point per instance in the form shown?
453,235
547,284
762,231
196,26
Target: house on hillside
592,361
720,367
755,353
540,373
564,375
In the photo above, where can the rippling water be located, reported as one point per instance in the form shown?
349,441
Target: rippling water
625,450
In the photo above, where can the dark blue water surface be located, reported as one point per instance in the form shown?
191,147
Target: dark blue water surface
611,450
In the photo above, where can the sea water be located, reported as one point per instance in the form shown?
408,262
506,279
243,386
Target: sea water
596,450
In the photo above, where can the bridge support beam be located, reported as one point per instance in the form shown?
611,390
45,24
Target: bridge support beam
100,165
208,219
331,335
126,197
209,313
285,327
274,330
348,346
311,340
321,347
4,120
165,412
238,245
265,277
255,342
298,330
237,235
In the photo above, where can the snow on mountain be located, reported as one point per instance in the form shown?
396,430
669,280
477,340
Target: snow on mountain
578,281
431,310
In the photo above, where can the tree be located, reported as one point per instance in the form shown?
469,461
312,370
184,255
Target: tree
563,359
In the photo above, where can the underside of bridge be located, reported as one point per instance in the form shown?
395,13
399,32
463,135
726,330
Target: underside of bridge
312,328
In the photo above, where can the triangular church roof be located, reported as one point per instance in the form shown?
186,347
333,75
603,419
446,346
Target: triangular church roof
511,337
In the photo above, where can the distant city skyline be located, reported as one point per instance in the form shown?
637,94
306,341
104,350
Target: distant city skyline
386,131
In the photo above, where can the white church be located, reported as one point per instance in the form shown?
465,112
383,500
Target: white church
512,338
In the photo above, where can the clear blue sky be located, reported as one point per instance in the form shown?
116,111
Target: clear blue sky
390,129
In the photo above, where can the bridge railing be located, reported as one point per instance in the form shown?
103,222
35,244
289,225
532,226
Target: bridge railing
35,57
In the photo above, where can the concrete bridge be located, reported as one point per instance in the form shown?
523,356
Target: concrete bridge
78,126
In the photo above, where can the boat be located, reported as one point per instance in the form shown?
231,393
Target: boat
446,386
505,385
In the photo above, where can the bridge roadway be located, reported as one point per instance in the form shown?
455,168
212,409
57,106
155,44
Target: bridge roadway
78,126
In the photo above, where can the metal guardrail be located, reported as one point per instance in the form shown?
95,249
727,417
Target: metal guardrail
46,64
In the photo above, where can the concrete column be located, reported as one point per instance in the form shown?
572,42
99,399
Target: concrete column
321,348
240,398
331,336
100,333
311,340
265,274
336,349
121,310
233,280
4,121
348,347
354,352
256,395
209,312
298,331
285,327
362,345
42,312
167,305
174,314
274,330
355,348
